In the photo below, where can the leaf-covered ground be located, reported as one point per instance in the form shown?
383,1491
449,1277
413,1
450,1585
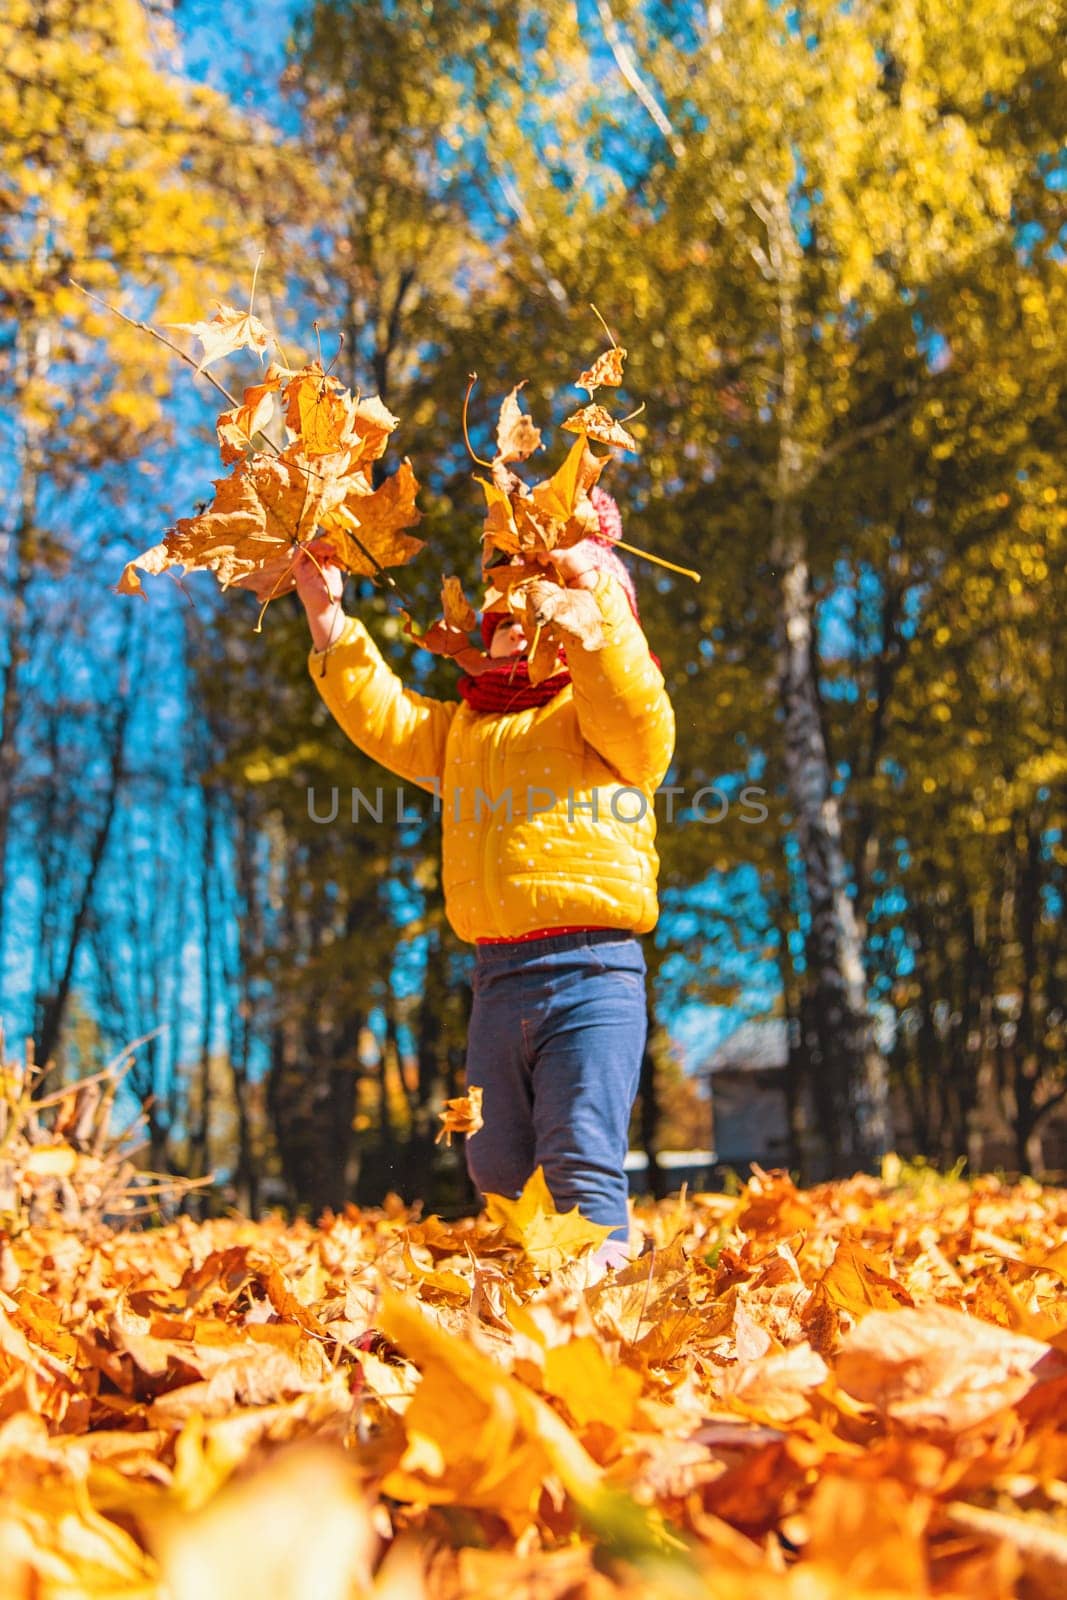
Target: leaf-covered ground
854,1391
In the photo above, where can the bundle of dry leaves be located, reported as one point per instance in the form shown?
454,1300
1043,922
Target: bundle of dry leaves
319,486
851,1392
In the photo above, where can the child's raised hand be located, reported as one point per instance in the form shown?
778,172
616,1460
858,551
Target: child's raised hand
320,584
319,579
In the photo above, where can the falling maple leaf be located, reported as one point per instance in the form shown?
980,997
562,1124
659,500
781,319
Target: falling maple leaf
598,424
226,332
606,371
461,1115
516,436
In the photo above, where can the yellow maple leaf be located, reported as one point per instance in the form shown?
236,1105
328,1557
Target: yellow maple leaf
558,496
478,1437
546,1236
591,1387
317,412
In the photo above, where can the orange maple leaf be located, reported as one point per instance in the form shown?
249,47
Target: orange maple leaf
461,1115
237,427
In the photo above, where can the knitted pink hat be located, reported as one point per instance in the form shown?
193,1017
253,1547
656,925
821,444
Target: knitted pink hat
599,551
600,546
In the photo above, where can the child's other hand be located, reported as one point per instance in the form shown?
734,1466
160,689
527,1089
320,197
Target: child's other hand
573,565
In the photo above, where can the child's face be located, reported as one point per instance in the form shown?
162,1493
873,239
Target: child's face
508,640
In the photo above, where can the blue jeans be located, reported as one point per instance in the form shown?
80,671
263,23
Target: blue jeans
557,1033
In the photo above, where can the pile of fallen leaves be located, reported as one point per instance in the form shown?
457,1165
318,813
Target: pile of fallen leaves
854,1391
62,1160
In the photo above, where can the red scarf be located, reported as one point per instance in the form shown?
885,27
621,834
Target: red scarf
508,688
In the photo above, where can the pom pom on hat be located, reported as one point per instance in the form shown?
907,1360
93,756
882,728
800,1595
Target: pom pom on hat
600,546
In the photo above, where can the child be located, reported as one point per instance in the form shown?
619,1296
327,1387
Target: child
549,865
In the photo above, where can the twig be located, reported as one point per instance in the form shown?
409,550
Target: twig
110,1071
603,324
146,327
252,291
473,376
646,555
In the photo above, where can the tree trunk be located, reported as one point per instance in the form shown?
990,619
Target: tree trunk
30,359
249,949
51,1008
843,1052
200,1130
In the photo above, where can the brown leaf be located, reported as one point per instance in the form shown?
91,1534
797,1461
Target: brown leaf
516,436
598,424
573,611
606,371
153,561
458,611
371,423
543,657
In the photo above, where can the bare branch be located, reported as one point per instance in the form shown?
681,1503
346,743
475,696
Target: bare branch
628,68
849,441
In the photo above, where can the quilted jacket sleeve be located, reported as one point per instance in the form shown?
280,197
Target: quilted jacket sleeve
622,705
406,732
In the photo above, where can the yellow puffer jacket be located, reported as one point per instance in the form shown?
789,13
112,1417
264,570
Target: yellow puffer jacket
603,742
